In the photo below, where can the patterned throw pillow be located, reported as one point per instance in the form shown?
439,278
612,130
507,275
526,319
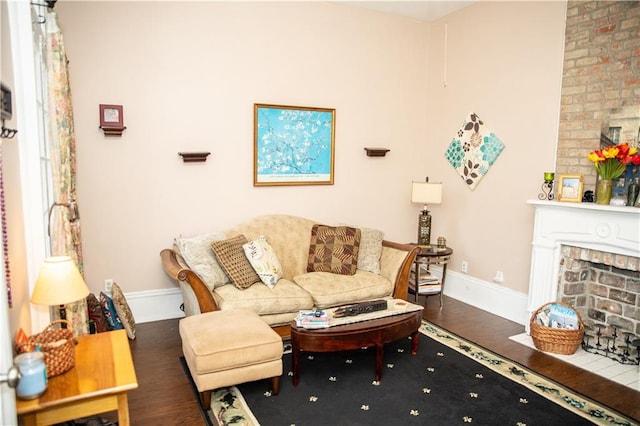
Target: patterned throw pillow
334,249
110,314
234,262
264,261
94,309
123,311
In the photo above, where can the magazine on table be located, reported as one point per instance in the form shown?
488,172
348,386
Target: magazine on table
312,319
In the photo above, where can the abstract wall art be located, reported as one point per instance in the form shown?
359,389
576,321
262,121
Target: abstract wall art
473,150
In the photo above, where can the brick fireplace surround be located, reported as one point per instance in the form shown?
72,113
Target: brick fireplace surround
588,256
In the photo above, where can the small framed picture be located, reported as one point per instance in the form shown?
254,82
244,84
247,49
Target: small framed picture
570,188
111,116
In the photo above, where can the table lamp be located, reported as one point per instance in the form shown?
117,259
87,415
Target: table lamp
59,282
425,193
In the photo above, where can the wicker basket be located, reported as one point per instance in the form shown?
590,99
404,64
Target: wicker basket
556,340
58,347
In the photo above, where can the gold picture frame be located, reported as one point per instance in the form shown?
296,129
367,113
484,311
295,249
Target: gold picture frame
293,145
570,188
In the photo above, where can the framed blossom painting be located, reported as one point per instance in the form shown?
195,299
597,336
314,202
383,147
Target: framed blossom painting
293,145
473,150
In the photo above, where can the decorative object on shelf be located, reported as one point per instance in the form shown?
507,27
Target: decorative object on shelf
604,188
600,344
293,145
632,192
547,187
587,197
376,152
425,193
611,162
194,157
5,112
112,120
473,150
570,188
59,282
442,243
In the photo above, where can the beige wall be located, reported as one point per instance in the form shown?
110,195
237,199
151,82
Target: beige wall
188,75
503,62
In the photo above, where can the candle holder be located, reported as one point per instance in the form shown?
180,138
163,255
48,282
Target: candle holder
547,187
605,345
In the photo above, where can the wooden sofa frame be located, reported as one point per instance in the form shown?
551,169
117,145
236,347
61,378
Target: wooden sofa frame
207,303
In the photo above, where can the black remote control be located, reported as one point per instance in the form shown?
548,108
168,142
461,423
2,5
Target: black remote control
360,308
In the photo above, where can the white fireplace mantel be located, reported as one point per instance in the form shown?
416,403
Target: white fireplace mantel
592,226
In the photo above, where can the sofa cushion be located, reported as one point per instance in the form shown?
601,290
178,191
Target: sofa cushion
264,261
370,250
334,249
284,297
197,253
328,290
287,235
231,257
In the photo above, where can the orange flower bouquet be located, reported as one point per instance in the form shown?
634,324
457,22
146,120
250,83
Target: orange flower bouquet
612,161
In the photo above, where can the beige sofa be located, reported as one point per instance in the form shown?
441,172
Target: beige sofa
382,271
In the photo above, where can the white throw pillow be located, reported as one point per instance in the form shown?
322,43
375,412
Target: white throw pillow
370,250
264,260
197,252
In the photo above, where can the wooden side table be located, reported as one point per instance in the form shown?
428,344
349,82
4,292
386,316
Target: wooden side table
428,256
99,382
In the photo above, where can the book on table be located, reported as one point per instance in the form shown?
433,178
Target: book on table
427,282
312,319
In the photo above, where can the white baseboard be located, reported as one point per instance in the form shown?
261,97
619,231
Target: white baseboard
487,296
157,305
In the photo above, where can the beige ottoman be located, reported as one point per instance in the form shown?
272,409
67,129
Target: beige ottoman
225,348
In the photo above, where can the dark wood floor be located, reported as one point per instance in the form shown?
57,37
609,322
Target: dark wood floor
164,396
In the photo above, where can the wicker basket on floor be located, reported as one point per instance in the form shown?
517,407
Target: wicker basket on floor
556,340
57,345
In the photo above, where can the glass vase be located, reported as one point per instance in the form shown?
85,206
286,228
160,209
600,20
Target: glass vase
603,191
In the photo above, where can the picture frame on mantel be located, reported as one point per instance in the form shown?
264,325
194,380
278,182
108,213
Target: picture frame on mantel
293,145
570,188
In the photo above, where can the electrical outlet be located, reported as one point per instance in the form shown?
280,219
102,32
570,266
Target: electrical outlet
108,285
464,267
499,278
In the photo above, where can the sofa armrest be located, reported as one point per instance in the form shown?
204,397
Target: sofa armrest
396,263
183,274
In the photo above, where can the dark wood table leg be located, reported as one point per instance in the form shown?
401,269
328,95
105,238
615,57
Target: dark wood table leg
379,352
295,363
414,342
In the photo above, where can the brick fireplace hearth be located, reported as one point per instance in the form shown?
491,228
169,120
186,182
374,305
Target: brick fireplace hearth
603,287
567,237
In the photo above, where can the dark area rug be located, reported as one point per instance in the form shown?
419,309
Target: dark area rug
450,381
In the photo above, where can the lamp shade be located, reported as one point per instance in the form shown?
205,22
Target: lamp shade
59,282
426,192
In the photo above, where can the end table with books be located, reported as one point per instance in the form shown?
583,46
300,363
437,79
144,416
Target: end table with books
422,280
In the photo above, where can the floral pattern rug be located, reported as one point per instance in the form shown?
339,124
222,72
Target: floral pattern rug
229,407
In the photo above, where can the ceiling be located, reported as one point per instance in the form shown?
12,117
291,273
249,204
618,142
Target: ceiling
422,10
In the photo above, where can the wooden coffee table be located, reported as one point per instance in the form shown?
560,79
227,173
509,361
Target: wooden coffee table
375,332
